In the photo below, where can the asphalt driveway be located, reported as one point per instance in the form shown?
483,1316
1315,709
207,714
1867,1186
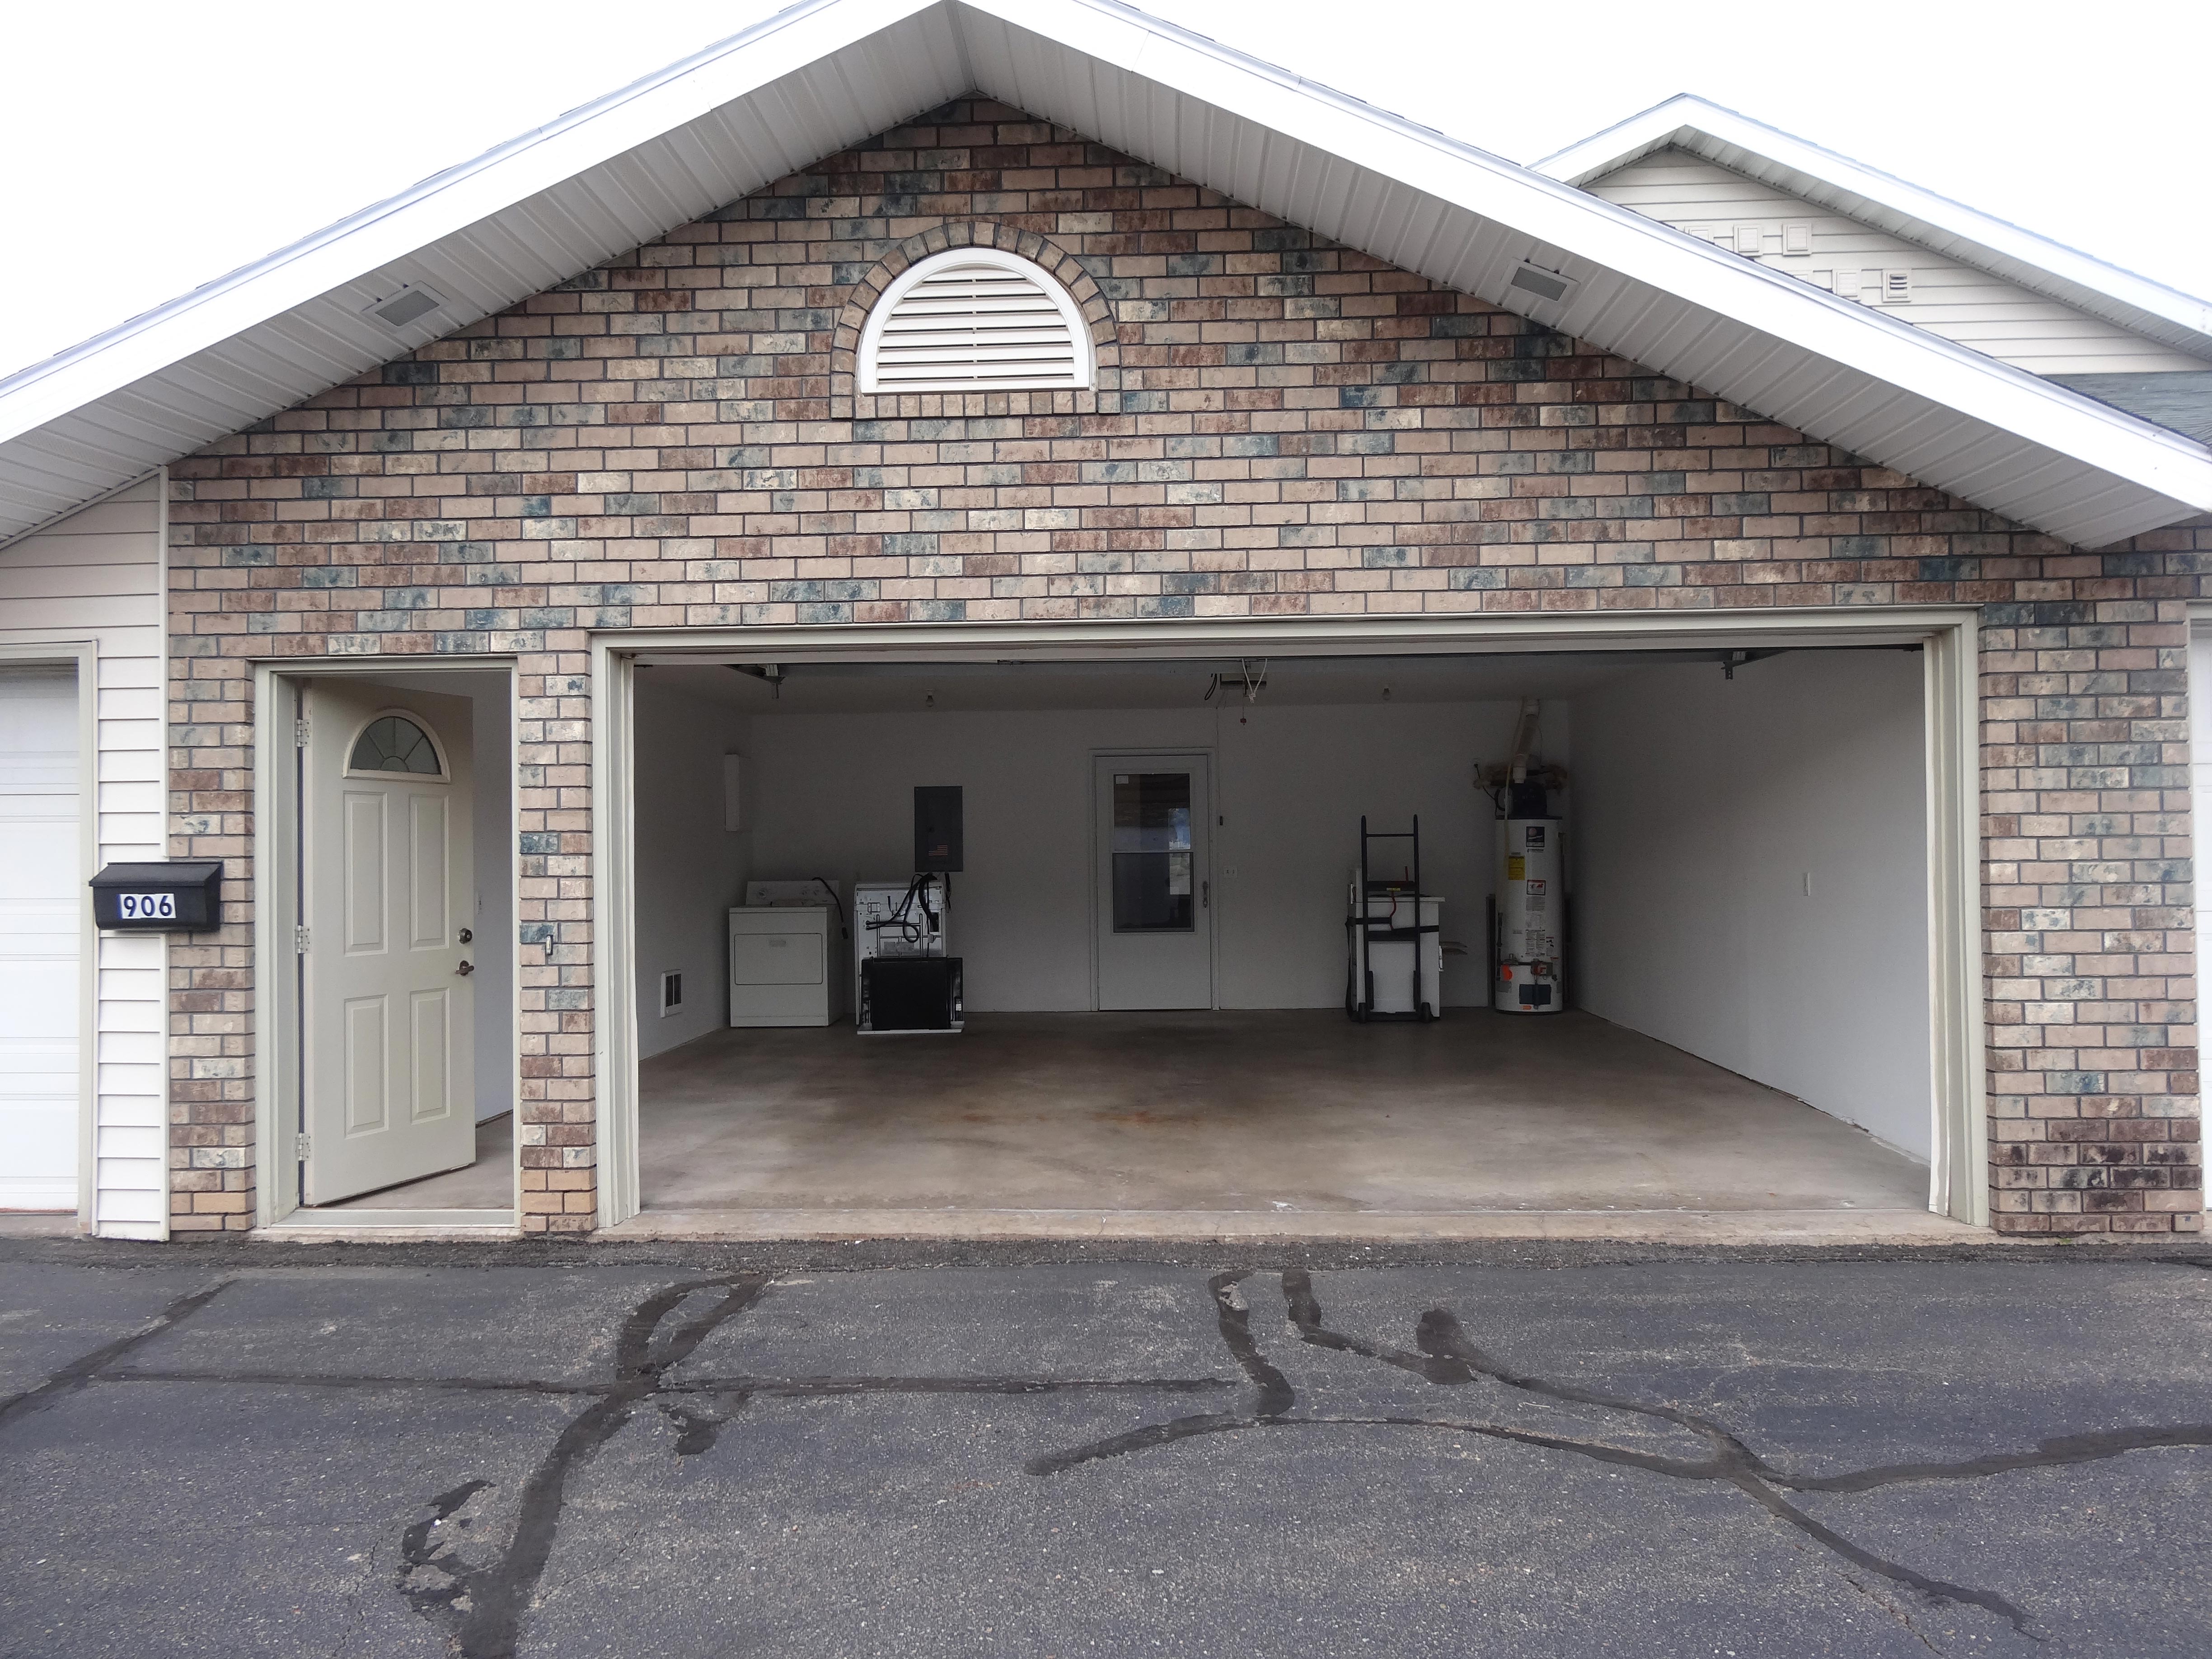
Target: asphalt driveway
241,1451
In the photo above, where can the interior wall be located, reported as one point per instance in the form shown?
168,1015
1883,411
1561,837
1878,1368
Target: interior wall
495,923
834,798
1702,809
690,868
492,734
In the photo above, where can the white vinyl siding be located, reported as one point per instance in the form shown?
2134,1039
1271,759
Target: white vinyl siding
96,577
975,321
2007,322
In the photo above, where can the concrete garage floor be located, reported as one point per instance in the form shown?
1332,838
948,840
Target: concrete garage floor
1235,1124
486,1184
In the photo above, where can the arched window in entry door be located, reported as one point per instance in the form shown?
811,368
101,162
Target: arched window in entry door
394,742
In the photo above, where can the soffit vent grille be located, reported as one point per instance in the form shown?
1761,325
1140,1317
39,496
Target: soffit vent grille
1535,281
410,303
975,321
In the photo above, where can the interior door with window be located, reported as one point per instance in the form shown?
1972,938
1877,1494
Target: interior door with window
388,1067
1154,904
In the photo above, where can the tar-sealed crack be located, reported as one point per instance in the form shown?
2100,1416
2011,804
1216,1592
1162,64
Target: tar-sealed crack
480,1590
1447,1357
84,1369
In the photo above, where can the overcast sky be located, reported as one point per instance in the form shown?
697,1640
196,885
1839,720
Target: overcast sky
150,147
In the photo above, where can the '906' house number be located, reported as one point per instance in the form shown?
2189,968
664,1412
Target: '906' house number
146,907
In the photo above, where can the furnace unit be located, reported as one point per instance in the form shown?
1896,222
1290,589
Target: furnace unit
905,980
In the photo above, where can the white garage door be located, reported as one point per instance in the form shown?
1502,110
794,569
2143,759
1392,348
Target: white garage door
41,898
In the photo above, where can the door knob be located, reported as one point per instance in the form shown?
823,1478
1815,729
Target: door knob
467,968
467,935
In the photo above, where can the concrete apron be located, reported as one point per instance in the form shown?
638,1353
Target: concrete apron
1806,1227
1809,1228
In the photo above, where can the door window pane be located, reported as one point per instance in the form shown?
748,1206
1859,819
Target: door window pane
393,743
1153,892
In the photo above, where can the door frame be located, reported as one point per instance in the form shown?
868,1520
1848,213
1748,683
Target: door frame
277,1049
2200,832
1206,753
1958,1175
81,657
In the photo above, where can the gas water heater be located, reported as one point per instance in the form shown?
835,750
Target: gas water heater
1529,912
1528,942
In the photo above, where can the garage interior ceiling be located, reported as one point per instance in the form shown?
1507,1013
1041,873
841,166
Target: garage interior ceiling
966,687
825,75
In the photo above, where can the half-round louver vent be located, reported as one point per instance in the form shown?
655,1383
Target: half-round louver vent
974,320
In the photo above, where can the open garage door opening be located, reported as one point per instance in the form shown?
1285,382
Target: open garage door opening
1021,946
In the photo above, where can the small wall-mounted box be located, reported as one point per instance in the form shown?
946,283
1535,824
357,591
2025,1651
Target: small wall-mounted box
176,896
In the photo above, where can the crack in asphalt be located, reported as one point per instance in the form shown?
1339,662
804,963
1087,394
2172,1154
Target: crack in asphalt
1233,1319
1447,1357
356,1380
69,1378
481,1601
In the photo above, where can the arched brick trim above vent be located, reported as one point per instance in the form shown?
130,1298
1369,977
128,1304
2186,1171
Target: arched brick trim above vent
849,402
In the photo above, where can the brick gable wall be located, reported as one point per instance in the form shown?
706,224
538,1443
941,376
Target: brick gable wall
1283,426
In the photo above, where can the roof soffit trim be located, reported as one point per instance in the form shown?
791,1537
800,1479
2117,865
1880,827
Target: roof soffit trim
470,193
1564,227
1314,157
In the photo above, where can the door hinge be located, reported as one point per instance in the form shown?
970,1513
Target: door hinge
299,734
301,1149
300,939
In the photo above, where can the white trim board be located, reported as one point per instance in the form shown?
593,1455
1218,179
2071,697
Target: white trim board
1959,1170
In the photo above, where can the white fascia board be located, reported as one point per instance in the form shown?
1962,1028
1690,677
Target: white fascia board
1598,234
1904,209
417,218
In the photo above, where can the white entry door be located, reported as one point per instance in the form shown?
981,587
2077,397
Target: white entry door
390,1062
42,899
1154,882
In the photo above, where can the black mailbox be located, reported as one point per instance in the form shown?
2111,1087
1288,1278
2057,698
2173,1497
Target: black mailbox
177,895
